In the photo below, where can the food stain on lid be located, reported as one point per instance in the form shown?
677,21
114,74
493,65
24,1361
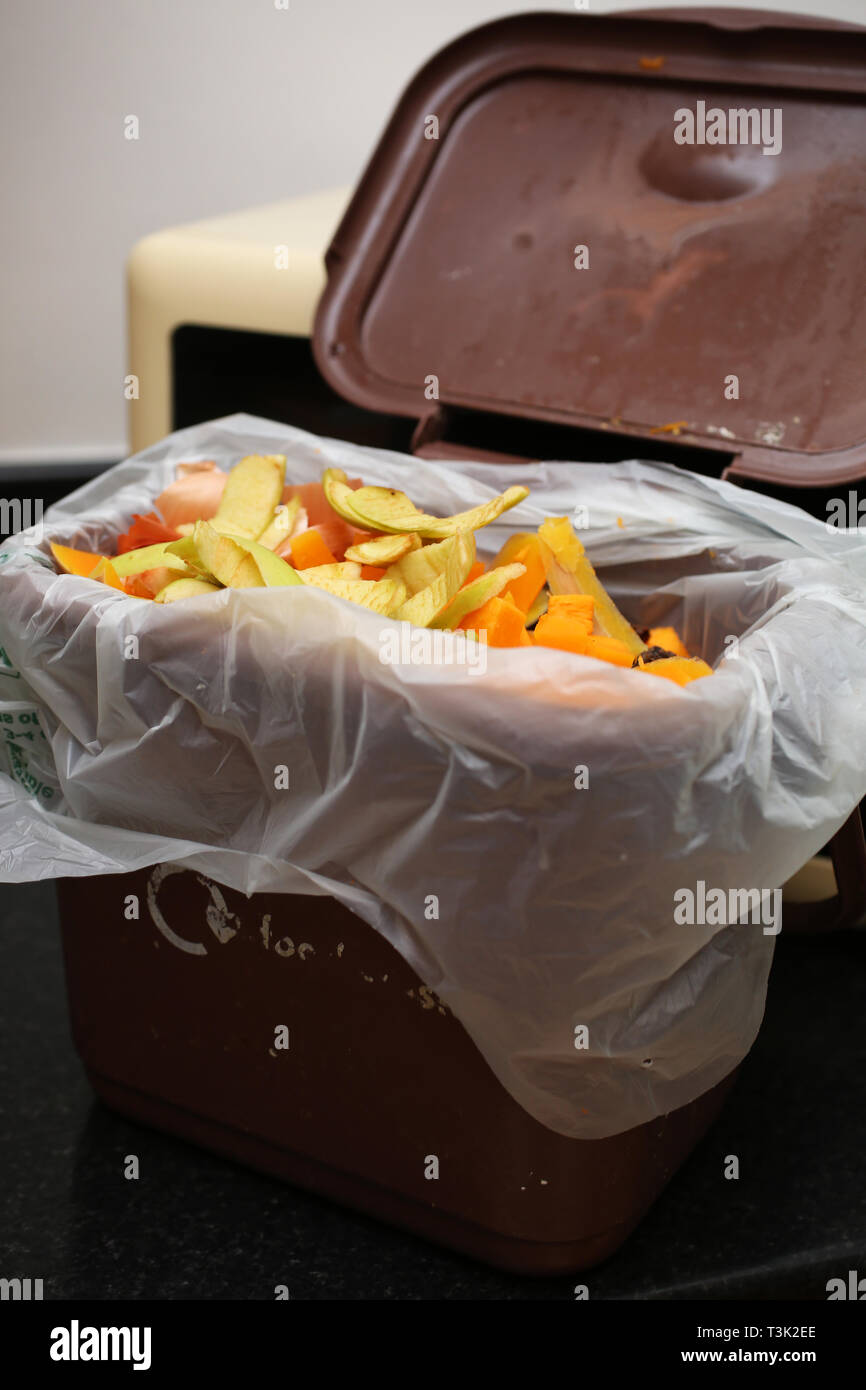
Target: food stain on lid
769,433
674,427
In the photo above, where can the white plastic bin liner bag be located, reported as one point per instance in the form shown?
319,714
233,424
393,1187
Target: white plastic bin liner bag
548,907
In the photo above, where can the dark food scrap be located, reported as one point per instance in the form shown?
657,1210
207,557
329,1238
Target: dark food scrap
651,654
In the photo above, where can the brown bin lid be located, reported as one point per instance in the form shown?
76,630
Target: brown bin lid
455,258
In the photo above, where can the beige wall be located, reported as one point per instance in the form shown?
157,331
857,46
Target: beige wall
238,103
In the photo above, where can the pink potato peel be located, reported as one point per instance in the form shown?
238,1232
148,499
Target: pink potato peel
195,496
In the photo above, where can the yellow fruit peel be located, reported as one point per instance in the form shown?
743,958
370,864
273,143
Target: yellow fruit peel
320,574
282,524
473,595
384,550
454,560
186,588
239,563
251,496
388,509
569,571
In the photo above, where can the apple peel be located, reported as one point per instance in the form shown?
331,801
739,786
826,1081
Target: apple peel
240,563
282,525
384,550
252,494
186,588
473,595
388,509
454,561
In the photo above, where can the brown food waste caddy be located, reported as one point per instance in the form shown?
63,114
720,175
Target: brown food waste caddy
173,1014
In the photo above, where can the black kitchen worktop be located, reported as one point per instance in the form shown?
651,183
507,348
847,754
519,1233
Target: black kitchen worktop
195,1226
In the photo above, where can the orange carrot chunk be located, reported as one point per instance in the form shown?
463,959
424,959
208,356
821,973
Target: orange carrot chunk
609,649
525,590
681,669
108,574
569,632
476,569
337,536
81,562
372,572
500,619
669,638
582,605
309,549
566,633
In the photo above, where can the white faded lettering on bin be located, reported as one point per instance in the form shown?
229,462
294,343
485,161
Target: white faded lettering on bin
223,923
217,914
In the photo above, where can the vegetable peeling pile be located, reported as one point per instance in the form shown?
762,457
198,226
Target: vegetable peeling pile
372,546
